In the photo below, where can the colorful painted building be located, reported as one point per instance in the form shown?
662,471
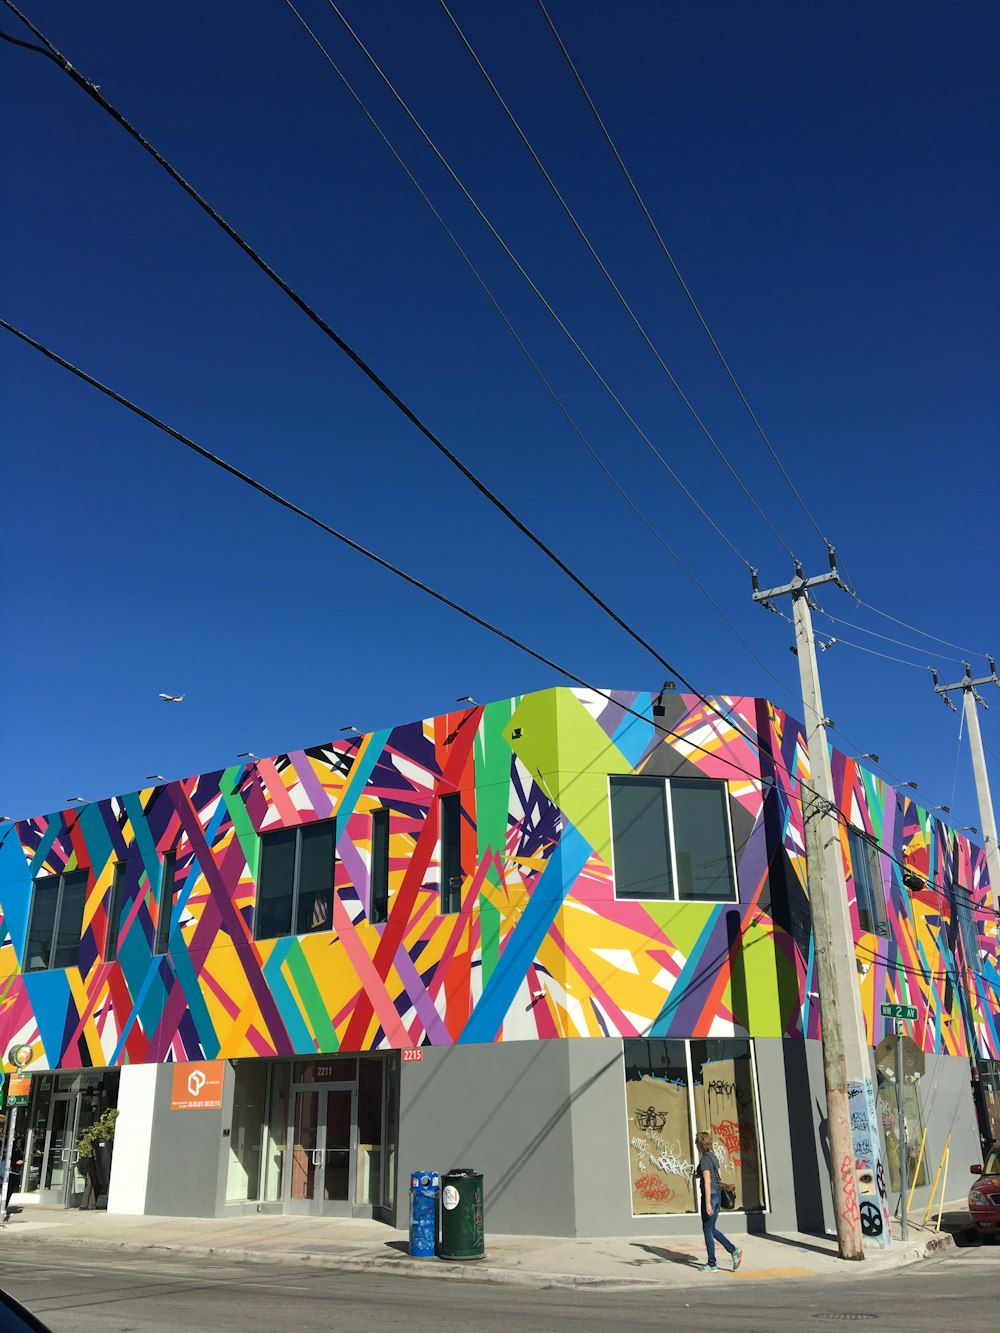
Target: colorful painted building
546,938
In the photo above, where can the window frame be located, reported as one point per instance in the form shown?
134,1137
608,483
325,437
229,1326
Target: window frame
858,838
50,965
297,829
115,898
674,882
165,902
450,853
378,870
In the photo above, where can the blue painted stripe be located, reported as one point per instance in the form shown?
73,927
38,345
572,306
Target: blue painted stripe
281,993
50,997
360,774
678,993
143,837
548,896
95,835
188,980
147,1005
45,846
139,971
806,1006
634,734
15,890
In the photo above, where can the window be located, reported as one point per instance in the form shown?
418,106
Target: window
674,1088
378,908
967,927
55,923
672,839
295,883
450,808
115,897
866,867
165,902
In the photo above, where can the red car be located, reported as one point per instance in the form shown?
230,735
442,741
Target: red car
984,1197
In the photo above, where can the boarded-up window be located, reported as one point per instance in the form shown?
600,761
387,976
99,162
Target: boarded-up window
668,1081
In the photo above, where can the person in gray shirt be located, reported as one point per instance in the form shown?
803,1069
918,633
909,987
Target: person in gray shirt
707,1172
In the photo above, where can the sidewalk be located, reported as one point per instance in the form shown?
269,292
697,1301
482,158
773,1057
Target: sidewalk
355,1245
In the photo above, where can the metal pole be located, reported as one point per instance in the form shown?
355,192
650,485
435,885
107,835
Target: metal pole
8,1154
904,1227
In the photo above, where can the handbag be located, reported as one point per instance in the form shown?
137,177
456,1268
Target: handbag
728,1199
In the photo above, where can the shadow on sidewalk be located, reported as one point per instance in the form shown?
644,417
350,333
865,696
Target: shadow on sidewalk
685,1259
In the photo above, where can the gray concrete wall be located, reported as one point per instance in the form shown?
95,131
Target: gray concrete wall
946,1105
186,1159
503,1109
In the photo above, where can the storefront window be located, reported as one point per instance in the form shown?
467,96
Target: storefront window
661,1137
724,1105
672,1090
276,1131
249,1101
369,1182
889,1115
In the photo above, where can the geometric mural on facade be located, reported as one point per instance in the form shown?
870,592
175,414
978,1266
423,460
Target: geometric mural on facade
540,947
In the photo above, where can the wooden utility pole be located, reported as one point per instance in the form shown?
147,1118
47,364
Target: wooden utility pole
833,939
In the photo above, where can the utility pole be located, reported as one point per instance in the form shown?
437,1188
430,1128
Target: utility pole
987,819
845,1048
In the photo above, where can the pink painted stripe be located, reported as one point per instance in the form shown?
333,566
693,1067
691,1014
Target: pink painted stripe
280,798
372,983
311,784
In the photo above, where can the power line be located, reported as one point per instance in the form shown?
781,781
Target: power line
611,282
533,287
557,400
273,495
886,638
93,92
874,652
676,271
917,630
768,759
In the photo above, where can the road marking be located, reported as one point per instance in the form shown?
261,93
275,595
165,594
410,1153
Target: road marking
162,1276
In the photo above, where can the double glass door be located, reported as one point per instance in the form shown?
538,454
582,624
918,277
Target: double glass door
62,1181
321,1148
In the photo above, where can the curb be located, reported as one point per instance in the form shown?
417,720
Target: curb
402,1266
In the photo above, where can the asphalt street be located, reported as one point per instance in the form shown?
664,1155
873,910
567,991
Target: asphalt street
80,1292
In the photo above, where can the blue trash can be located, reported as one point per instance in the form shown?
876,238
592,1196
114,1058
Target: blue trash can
425,1188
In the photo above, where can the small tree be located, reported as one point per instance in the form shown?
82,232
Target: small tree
101,1131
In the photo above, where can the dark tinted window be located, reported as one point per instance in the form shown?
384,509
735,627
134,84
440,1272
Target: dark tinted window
295,881
56,921
379,908
451,852
165,902
641,838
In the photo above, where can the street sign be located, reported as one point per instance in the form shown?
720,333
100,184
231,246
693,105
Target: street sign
886,1060
898,1010
20,1055
19,1090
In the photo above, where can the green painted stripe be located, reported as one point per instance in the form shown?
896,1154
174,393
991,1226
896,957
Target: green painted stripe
492,758
248,839
305,984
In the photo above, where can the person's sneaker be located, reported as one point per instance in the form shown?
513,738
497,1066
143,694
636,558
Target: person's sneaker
737,1259
708,1268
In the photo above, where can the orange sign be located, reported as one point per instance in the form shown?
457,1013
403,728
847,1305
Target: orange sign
197,1087
20,1085
411,1054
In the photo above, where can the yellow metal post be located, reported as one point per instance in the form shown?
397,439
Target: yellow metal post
916,1173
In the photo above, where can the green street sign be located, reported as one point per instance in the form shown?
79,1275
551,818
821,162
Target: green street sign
898,1010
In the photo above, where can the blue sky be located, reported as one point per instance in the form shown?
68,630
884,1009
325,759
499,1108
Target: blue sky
826,178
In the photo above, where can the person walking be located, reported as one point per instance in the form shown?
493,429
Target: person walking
711,1201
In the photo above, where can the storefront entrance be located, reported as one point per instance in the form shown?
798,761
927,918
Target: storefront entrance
321,1148
62,1107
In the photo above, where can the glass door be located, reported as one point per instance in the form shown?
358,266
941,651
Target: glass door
321,1148
59,1142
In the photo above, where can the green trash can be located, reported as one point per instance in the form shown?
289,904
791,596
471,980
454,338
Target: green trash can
462,1235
